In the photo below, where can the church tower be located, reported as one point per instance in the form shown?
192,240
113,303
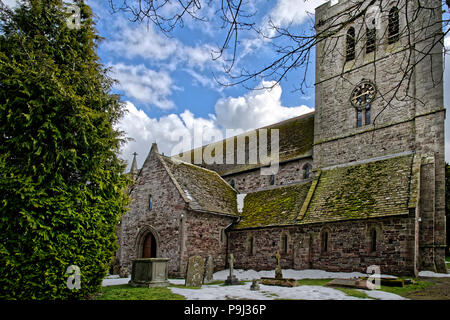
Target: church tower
379,94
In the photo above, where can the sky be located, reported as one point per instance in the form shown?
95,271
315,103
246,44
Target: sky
169,83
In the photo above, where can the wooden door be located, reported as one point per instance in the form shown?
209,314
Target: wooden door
147,250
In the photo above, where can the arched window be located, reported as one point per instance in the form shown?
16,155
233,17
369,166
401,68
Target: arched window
251,245
371,34
373,240
272,179
394,26
232,183
325,241
284,243
350,49
306,171
150,202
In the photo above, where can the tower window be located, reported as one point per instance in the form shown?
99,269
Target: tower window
363,116
272,180
150,203
350,50
359,118
367,114
371,35
393,27
232,183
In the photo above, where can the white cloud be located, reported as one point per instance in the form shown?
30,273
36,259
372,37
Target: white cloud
168,131
256,109
251,111
295,12
143,84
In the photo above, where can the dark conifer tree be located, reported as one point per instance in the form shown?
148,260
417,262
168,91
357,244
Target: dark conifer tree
61,182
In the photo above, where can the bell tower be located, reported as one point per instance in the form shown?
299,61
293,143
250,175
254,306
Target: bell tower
379,94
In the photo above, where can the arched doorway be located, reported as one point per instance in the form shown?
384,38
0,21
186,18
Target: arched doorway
149,246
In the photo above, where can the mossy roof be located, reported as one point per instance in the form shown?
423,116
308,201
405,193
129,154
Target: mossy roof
204,189
273,207
375,189
296,137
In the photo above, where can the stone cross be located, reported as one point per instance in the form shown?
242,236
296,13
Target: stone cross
231,280
231,260
278,272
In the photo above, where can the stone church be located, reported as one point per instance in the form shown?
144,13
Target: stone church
360,180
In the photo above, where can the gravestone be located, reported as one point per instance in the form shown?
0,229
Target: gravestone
231,280
209,270
195,271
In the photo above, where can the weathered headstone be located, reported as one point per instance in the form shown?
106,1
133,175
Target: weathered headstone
209,270
278,272
231,280
195,271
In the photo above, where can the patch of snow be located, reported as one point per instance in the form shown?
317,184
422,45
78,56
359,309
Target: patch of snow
240,201
217,292
290,273
177,281
114,282
431,274
382,295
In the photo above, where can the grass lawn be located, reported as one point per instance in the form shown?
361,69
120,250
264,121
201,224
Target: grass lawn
127,292
403,291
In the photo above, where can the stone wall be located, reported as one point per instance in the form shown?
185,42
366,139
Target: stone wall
289,172
349,246
204,236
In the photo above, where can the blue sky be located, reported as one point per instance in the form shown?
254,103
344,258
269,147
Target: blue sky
168,83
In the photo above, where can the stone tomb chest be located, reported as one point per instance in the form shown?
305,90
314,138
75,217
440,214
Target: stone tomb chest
149,272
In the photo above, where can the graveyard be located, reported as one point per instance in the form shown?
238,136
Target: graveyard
201,283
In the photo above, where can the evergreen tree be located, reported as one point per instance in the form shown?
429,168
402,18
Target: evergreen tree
447,204
62,191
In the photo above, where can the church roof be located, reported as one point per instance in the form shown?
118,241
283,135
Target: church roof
380,188
203,189
273,207
296,137
387,187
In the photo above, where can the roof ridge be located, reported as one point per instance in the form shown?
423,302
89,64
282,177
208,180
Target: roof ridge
172,177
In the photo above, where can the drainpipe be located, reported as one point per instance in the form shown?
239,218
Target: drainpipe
228,239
